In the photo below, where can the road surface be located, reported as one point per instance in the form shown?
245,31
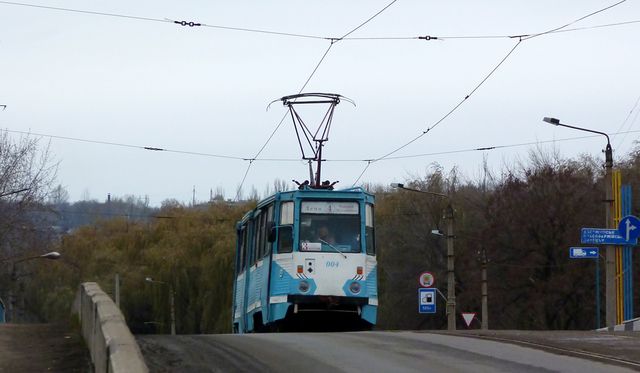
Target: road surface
42,348
353,352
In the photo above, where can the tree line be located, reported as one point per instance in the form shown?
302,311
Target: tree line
524,219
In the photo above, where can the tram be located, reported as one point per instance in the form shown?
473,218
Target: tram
306,259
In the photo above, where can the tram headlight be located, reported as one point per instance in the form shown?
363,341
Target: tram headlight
354,287
303,286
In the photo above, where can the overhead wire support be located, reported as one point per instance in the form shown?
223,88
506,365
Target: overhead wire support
314,139
332,41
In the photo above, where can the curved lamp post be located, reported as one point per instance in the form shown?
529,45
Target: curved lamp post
53,255
610,270
171,302
451,281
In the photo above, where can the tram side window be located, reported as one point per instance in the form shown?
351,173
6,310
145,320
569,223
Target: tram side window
261,235
369,230
285,231
266,250
253,245
243,250
256,238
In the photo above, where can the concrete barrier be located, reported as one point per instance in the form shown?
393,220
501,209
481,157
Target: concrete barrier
627,326
112,347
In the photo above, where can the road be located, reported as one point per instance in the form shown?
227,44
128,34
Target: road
353,352
42,348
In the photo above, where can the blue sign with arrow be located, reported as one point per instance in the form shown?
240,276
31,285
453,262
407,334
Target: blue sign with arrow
583,252
602,236
629,227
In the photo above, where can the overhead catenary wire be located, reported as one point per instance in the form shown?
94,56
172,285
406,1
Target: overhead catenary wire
354,160
520,40
472,37
163,20
332,42
633,109
273,133
301,35
443,118
149,148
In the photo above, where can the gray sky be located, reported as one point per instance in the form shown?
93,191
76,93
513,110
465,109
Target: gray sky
205,89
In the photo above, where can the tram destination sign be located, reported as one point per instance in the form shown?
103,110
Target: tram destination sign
602,236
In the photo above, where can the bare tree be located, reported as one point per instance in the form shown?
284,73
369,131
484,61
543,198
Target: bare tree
26,175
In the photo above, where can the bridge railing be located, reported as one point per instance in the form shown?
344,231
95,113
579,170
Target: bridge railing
112,347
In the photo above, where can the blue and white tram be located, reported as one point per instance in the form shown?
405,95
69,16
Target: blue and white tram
303,254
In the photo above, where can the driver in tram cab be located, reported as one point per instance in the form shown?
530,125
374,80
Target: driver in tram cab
324,234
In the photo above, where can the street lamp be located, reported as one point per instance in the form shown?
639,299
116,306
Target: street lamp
53,255
610,289
171,302
451,282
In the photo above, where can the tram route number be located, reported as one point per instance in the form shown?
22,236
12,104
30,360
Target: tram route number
332,264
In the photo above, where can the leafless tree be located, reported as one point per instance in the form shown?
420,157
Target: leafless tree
27,172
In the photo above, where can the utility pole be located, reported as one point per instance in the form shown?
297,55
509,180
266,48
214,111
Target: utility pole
117,290
485,304
610,267
172,302
451,282
173,310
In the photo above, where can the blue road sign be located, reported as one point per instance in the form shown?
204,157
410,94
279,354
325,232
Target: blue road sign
583,252
427,300
629,227
602,236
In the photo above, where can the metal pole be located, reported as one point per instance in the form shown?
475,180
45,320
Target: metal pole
485,304
610,268
173,310
319,166
12,292
117,290
598,292
451,282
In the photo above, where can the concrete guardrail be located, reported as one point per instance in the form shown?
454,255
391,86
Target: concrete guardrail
627,326
112,347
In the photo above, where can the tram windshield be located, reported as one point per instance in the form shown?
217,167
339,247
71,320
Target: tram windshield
330,227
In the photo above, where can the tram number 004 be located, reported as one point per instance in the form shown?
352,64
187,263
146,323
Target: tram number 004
332,264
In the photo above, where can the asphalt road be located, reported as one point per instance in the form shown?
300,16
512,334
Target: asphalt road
353,352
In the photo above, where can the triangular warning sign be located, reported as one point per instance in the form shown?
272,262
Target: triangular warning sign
468,317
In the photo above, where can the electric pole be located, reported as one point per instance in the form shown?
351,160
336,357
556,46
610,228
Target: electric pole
451,282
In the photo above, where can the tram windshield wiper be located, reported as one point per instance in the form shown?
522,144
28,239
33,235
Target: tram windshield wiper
333,247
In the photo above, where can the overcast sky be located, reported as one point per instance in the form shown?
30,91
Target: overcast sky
150,82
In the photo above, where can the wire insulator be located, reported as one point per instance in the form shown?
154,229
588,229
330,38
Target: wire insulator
185,23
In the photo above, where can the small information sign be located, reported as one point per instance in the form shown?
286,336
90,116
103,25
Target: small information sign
427,300
583,252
